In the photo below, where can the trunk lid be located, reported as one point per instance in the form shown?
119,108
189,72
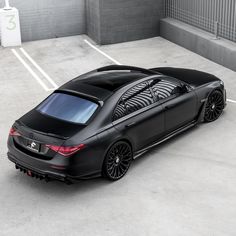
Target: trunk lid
37,131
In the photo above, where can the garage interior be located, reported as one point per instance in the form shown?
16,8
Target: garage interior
185,186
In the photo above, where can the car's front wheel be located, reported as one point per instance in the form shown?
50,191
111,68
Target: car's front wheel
117,160
214,106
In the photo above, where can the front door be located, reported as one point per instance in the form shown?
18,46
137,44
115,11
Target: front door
179,104
180,110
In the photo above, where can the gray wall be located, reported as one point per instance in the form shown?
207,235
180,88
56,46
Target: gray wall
113,21
42,19
93,19
199,41
105,21
126,20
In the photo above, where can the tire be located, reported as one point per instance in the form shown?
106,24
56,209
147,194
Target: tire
214,106
117,161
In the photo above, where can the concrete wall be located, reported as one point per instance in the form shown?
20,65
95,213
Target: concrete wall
93,19
42,19
201,42
116,21
125,20
105,21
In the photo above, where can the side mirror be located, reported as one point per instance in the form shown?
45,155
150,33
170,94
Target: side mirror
186,89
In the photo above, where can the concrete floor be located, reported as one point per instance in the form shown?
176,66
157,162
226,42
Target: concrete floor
181,188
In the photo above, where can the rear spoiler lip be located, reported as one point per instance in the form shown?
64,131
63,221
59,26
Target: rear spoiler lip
92,98
20,123
124,68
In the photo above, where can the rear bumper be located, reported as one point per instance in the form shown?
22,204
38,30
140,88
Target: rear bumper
38,173
58,168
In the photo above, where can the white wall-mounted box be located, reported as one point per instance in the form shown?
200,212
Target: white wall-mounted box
10,27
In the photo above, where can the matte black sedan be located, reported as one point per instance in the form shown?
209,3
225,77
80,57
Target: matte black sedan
99,122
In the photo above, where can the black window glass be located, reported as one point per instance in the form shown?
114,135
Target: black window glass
120,111
164,89
139,101
68,108
135,99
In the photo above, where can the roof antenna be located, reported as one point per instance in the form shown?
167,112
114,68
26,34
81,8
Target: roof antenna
7,5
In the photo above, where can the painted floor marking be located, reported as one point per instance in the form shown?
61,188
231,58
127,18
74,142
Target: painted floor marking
101,52
232,101
50,80
118,63
39,68
30,70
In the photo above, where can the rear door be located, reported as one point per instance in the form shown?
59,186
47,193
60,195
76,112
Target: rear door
180,106
138,117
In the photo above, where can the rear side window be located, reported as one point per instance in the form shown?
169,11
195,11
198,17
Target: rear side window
138,101
120,111
133,100
68,108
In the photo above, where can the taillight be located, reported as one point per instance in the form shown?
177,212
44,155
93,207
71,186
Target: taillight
66,151
14,132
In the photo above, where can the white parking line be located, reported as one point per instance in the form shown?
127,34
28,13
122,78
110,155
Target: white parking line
30,70
39,68
118,63
103,53
232,101
50,80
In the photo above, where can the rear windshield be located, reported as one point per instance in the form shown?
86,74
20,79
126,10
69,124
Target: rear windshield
68,108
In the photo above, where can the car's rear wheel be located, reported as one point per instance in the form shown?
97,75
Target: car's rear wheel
214,107
117,160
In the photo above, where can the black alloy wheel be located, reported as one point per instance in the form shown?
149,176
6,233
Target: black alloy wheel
214,107
117,161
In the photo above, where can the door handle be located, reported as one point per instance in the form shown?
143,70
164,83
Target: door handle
130,124
169,107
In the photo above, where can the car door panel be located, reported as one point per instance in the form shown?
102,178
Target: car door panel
143,127
180,110
178,100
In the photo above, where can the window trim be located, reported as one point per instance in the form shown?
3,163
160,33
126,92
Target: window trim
133,114
156,99
142,110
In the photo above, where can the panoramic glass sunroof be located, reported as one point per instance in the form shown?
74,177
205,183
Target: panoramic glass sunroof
114,81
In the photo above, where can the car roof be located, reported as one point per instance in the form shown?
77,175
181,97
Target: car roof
103,82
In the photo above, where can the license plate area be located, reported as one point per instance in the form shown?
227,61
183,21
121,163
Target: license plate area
33,146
